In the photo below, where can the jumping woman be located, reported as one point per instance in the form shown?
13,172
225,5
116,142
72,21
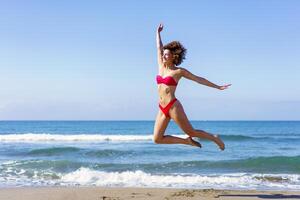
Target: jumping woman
169,58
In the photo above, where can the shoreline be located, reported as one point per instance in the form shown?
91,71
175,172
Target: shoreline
124,193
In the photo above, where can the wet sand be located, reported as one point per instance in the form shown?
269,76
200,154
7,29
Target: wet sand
108,193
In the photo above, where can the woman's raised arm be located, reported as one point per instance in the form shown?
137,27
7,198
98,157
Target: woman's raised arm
159,45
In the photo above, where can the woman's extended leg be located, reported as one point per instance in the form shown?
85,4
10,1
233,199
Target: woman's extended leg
160,126
178,115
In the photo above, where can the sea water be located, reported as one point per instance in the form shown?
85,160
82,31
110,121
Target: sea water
258,155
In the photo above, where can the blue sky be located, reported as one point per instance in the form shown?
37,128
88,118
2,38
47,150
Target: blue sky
81,60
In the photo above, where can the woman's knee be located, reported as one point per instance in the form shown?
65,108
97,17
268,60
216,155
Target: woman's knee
190,132
157,139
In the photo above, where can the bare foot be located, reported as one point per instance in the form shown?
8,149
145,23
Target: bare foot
193,142
219,142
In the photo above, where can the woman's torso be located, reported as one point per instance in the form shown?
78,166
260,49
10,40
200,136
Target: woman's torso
167,92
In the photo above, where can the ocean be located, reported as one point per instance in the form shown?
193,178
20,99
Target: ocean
258,155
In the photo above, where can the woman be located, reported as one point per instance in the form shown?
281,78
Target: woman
169,74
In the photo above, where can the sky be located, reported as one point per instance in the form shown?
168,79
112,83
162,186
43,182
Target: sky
96,60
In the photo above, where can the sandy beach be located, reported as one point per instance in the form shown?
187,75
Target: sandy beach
102,193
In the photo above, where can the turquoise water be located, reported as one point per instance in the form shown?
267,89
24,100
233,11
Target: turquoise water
258,155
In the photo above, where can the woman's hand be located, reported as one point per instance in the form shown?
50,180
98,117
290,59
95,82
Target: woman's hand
160,28
223,87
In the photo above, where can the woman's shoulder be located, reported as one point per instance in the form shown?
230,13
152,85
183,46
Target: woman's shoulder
181,70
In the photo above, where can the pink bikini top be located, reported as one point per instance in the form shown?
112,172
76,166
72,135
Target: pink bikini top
168,80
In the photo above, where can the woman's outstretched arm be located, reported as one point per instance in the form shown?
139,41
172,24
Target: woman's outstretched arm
203,81
159,45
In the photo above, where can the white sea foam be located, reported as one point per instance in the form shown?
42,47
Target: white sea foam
32,137
86,176
11,176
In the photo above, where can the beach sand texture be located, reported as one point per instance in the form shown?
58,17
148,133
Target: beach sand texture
102,193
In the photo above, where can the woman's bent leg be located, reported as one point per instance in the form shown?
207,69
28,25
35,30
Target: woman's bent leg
178,115
160,126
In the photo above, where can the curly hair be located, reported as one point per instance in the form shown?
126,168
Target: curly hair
177,50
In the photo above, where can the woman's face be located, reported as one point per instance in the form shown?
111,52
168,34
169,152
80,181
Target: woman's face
167,56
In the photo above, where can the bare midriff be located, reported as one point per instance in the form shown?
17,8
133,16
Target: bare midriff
166,93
